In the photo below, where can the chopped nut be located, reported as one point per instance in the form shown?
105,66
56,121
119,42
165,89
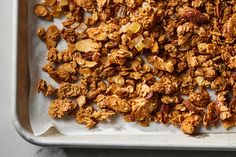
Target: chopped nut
52,36
211,117
191,108
194,15
163,114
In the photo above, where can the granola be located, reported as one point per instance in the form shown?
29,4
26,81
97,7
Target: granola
59,107
190,124
140,58
47,89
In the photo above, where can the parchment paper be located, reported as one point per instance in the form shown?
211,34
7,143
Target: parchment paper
38,104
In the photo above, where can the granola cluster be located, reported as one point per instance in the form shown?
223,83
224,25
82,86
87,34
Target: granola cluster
152,61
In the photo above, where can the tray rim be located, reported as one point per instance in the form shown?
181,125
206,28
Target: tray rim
61,141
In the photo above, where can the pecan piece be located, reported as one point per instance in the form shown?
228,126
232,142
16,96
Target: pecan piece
52,36
194,15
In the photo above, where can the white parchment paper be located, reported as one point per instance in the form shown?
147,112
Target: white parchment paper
38,104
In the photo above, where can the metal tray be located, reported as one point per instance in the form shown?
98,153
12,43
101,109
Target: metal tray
20,90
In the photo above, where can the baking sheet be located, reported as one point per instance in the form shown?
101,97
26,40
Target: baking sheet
38,103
